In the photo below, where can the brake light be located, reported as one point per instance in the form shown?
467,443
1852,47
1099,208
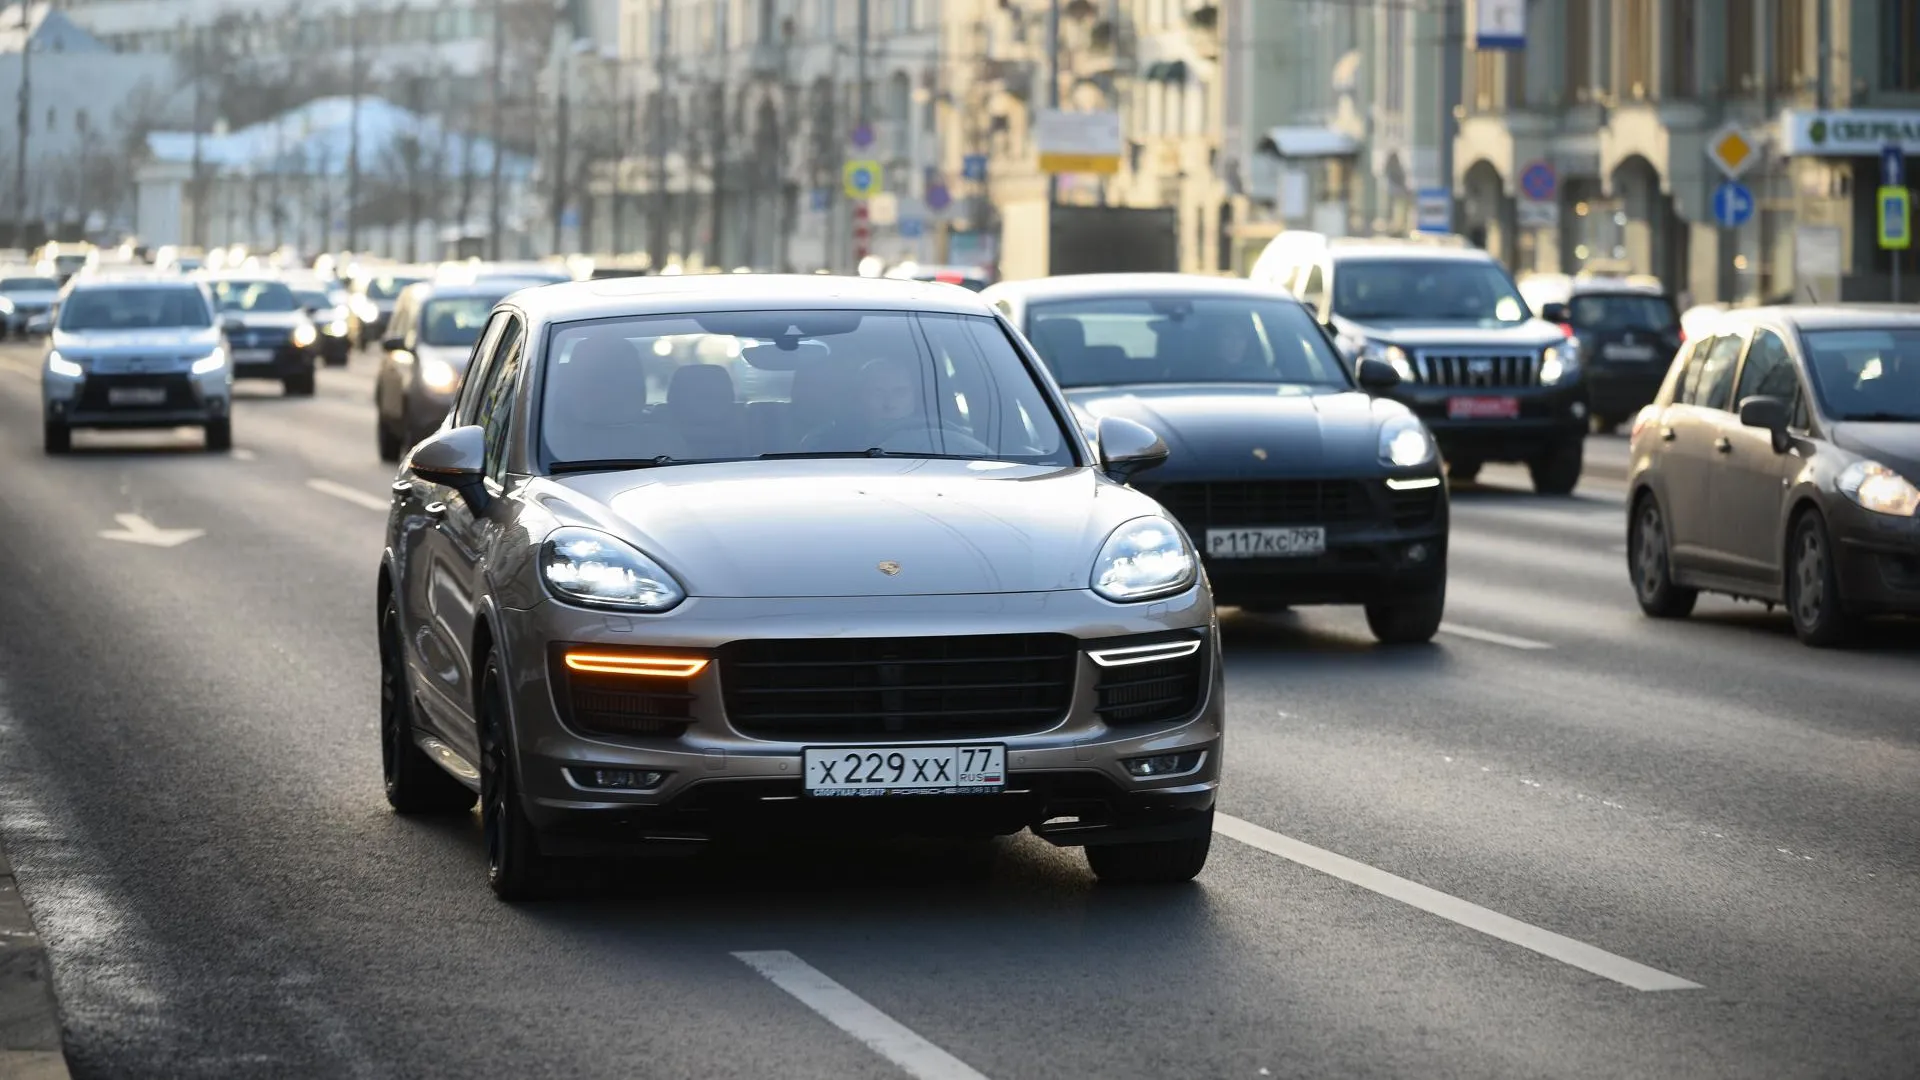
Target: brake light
1566,329
948,277
1683,335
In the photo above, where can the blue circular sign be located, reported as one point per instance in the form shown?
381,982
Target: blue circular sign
1540,182
862,178
938,198
863,136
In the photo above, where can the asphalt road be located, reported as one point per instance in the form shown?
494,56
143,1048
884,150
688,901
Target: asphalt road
1564,840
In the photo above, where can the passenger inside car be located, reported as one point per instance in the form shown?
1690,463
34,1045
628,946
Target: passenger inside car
599,398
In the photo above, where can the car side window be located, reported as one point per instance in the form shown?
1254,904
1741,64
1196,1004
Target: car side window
1768,370
1715,383
467,409
496,406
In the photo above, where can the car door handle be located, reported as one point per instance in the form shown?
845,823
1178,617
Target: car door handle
1666,434
1723,445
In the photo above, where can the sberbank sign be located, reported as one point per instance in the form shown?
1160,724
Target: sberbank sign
1848,133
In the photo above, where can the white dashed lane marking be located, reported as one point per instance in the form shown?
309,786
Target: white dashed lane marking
1491,637
1578,954
851,1013
350,494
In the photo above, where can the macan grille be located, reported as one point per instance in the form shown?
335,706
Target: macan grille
1476,370
1414,508
913,687
1227,503
1159,691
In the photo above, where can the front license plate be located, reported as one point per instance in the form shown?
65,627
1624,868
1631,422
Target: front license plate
136,395
1291,543
1483,408
904,770
252,356
1627,352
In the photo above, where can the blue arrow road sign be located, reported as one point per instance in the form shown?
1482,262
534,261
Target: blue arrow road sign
1732,204
1893,165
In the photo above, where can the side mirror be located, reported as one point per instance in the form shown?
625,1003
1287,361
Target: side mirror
1128,448
1769,413
1555,313
393,344
455,458
233,326
1376,376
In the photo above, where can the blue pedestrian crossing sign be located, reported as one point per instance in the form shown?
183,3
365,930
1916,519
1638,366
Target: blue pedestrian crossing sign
1732,204
1896,219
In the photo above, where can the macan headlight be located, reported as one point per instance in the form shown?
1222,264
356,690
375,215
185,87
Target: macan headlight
1144,559
586,566
1404,443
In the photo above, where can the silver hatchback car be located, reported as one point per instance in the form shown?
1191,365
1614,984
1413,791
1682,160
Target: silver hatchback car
714,555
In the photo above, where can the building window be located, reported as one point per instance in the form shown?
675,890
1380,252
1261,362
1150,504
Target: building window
1790,52
1740,44
1900,47
1636,50
1683,36
1486,67
1579,63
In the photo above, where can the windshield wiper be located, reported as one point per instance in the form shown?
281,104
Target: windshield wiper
623,464
869,452
1882,418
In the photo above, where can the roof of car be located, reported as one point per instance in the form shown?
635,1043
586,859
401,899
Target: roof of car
1369,249
133,281
1080,286
1831,316
665,295
484,288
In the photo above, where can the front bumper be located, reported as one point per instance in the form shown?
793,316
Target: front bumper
1879,562
185,398
1548,417
721,780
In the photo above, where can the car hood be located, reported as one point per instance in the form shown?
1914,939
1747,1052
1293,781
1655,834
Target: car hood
266,320
164,342
827,527
1897,446
1249,430
1532,334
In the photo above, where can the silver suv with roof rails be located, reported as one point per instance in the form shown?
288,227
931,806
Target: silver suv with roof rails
1490,379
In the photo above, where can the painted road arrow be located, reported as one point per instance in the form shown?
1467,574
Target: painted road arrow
135,529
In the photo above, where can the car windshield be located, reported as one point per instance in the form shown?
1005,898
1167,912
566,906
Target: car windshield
319,301
1186,339
29,284
456,321
254,296
1867,374
1426,290
134,309
1623,311
386,288
794,383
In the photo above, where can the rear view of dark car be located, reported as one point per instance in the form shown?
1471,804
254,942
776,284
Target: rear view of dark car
1627,336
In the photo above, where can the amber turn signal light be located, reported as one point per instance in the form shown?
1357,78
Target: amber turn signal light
664,667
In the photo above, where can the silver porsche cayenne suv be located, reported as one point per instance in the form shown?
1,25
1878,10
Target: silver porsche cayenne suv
731,555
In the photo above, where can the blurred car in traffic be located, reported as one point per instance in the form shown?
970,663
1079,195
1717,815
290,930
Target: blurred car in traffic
1779,463
370,300
629,609
1626,330
1489,379
270,335
974,278
30,296
1298,485
128,353
62,261
429,341
326,307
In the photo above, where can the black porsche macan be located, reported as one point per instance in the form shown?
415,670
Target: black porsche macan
1297,481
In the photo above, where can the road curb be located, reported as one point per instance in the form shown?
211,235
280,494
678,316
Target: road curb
30,1044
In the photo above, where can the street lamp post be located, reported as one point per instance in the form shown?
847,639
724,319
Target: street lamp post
20,135
495,215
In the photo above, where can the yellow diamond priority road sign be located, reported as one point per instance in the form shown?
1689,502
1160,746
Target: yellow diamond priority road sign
1731,150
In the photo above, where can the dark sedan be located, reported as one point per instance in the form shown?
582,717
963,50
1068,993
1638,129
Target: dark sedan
1627,334
271,336
1779,464
429,341
1297,485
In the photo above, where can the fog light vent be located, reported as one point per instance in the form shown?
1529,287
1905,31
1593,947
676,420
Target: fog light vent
1165,764
619,779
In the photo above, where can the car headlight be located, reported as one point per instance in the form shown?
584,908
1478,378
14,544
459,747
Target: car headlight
1393,355
211,362
303,335
60,365
1880,489
366,309
1404,443
438,375
337,328
1560,363
1145,558
592,568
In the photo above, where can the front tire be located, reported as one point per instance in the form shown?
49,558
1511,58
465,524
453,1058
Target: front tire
1649,558
1411,620
1156,862
515,868
388,441
1558,471
1820,615
299,384
1464,472
219,436
415,785
57,437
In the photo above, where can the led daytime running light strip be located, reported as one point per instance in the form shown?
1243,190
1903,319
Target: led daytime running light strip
1144,654
671,667
1414,484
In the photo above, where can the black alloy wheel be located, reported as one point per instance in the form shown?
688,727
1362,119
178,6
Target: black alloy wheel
1820,615
415,784
1558,471
1408,620
515,868
1153,862
1648,560
299,384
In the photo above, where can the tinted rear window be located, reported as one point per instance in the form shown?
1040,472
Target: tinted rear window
1627,311
29,284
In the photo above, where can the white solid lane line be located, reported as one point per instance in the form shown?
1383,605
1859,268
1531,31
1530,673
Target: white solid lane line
1470,915
850,1013
1492,638
241,453
350,494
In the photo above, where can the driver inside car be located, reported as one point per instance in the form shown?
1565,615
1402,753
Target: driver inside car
887,402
